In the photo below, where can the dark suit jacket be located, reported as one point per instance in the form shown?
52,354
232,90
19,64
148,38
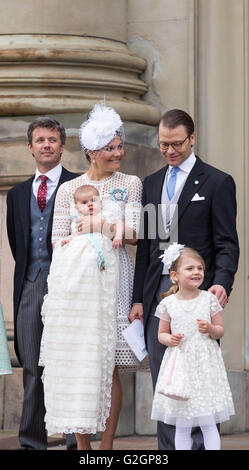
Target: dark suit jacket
18,227
208,225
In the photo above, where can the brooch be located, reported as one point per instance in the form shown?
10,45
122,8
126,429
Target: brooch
118,194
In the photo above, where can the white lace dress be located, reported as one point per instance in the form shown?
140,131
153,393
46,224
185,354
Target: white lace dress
131,187
79,342
195,367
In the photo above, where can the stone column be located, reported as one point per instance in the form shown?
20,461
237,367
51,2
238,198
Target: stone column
222,129
59,58
163,33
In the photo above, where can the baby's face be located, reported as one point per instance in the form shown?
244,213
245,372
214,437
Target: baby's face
88,203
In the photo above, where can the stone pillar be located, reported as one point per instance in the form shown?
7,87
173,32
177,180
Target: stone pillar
163,33
65,56
59,58
222,129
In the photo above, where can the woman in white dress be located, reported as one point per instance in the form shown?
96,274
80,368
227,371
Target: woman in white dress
102,139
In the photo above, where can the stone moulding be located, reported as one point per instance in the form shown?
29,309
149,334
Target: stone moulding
40,73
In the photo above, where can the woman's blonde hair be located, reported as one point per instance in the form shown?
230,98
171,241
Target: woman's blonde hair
175,265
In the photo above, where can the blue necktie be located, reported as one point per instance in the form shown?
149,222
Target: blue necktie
172,182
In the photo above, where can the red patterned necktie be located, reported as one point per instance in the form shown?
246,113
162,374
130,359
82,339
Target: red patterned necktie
42,193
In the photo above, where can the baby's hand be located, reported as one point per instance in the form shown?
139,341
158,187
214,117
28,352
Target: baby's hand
175,339
65,241
117,242
203,326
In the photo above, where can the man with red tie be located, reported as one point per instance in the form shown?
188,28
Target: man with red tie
30,207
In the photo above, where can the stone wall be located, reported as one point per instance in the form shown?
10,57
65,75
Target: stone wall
61,57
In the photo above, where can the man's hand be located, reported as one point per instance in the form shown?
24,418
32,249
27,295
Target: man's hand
220,293
136,313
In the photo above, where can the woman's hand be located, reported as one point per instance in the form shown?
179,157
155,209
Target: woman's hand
136,313
66,240
88,224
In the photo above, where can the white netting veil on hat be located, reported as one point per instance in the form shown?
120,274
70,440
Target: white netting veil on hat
100,128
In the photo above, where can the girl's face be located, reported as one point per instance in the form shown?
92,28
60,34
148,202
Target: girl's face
88,203
108,159
189,274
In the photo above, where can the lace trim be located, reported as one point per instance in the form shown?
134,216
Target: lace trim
107,340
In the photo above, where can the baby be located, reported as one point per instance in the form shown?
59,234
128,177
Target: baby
87,203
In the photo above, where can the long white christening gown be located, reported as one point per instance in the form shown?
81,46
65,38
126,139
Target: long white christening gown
85,312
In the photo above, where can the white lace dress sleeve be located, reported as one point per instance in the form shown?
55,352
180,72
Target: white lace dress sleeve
215,306
133,204
161,311
62,218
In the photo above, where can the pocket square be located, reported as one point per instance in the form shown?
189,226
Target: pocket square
196,197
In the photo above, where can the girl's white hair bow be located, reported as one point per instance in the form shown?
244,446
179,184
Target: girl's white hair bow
171,254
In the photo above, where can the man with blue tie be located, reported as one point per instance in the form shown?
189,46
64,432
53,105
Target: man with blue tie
198,205
30,207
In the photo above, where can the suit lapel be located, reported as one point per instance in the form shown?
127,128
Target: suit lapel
195,180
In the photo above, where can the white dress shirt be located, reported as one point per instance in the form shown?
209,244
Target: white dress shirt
185,168
52,181
181,176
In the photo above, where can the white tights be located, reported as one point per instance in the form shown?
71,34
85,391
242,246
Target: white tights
211,438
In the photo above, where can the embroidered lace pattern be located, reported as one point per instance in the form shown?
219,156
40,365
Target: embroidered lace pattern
78,342
210,395
132,207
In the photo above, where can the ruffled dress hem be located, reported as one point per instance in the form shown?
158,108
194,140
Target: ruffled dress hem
181,421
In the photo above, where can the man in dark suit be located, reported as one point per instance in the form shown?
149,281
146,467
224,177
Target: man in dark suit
196,207
30,207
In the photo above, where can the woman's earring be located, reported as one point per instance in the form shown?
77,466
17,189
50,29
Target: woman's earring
172,280
93,160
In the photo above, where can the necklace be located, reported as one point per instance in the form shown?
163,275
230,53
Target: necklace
189,305
98,181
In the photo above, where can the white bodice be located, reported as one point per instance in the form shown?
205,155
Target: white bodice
128,185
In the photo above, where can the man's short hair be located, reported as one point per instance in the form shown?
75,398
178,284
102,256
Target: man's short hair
49,123
177,117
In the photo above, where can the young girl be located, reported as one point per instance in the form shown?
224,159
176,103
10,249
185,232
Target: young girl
192,387
79,314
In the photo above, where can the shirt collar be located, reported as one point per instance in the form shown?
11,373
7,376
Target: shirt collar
187,165
52,174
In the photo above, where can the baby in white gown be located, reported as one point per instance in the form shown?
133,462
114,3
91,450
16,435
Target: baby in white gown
86,205
79,314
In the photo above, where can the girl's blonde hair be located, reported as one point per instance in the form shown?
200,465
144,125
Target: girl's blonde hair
175,265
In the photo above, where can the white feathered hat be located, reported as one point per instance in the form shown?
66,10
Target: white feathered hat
100,128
